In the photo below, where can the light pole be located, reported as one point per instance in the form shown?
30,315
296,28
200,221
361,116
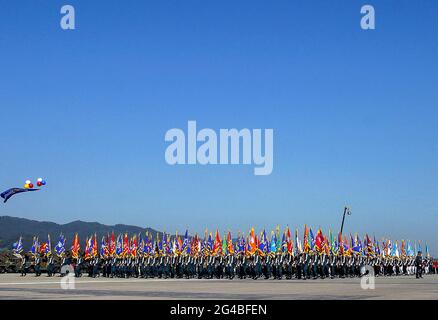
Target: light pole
346,211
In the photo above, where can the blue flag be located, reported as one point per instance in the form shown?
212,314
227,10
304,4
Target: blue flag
17,247
60,246
312,240
185,245
35,246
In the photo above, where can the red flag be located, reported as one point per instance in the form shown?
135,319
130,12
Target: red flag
230,243
289,242
252,242
43,247
326,246
194,245
94,249
348,249
341,244
134,246
319,241
180,245
75,247
112,245
306,244
217,245
125,246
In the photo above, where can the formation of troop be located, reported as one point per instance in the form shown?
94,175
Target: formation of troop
254,256
279,266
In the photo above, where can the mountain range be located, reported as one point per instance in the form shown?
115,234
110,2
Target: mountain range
11,228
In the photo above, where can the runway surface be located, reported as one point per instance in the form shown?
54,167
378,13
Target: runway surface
12,286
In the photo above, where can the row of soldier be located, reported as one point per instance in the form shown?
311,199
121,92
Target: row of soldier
282,265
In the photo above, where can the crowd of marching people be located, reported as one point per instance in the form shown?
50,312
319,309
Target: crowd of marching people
254,257
311,265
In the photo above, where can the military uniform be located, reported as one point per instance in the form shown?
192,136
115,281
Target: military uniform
50,266
23,265
419,265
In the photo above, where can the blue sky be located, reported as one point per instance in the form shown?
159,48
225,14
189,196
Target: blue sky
354,112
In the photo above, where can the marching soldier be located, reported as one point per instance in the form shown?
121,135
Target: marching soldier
229,270
37,265
23,265
95,268
50,266
300,266
288,266
78,266
419,265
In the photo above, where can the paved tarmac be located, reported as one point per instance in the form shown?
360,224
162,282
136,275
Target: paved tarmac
12,286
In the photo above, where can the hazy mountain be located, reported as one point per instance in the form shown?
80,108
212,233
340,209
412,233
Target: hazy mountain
12,228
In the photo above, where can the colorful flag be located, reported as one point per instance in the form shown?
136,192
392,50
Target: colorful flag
42,248
355,244
230,243
318,241
185,242
241,245
60,246
224,245
306,244
112,245
133,246
209,245
289,242
93,246
394,250
147,249
126,248
298,244
103,248
283,246
140,249
48,248
217,245
312,240
341,244
263,246
35,246
119,246
333,248
409,250
166,246
252,242
278,238
75,247
88,247
17,247
403,249
273,246
347,248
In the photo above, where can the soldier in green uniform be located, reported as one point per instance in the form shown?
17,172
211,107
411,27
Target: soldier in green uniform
78,266
419,265
23,265
37,265
50,266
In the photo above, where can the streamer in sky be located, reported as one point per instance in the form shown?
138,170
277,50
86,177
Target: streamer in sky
13,191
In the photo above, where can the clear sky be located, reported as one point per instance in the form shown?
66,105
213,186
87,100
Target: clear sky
354,112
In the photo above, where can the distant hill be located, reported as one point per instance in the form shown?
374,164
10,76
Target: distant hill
12,228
